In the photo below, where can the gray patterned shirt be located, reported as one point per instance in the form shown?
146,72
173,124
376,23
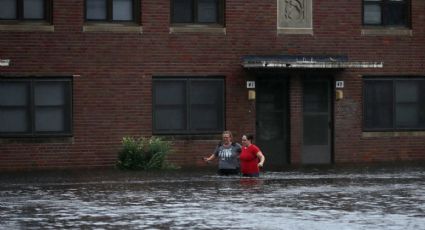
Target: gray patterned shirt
228,157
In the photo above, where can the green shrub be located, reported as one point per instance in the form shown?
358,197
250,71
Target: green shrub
144,154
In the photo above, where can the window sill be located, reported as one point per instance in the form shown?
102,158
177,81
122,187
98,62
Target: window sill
112,28
198,29
26,27
387,31
307,31
37,140
393,134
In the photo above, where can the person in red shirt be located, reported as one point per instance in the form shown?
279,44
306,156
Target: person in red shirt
251,158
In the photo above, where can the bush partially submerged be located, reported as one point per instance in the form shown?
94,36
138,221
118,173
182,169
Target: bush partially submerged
144,154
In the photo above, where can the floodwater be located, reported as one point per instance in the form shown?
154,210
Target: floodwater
359,197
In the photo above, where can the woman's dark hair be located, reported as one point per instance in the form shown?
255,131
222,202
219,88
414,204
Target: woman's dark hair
249,136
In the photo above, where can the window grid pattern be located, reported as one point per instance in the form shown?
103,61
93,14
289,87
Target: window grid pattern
188,105
26,10
36,107
394,104
112,10
386,13
208,12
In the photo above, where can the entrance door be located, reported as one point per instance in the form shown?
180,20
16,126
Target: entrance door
316,122
272,125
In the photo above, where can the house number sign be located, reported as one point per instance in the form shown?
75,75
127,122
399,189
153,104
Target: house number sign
250,84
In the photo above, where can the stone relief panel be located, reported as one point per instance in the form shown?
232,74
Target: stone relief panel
295,14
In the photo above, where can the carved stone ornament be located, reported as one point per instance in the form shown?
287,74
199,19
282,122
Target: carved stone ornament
295,14
294,10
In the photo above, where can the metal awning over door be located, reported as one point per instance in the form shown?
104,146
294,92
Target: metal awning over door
305,61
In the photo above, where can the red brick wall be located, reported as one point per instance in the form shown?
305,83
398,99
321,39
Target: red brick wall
112,94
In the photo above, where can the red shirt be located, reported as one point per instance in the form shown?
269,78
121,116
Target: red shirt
249,159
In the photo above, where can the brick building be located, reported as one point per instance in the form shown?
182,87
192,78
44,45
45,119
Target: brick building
317,81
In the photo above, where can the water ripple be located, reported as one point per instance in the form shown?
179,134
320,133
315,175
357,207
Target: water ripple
278,200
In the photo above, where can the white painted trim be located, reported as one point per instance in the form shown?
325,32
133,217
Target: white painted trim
315,65
4,62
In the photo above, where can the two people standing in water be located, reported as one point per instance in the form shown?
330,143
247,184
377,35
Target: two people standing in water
234,158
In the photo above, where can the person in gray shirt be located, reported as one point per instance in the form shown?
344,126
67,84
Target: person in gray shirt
227,153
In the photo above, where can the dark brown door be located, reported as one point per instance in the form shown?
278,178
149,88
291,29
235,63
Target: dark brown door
272,116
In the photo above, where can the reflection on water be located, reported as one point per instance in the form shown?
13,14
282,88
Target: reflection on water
385,198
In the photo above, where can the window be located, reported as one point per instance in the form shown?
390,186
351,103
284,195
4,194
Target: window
394,104
30,10
35,107
386,12
112,10
188,105
197,11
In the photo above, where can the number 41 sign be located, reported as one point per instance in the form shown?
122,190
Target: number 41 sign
250,84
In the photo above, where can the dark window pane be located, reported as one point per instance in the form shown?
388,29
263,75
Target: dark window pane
8,9
49,94
205,92
170,105
206,104
378,99
51,101
407,104
204,118
96,10
207,11
14,107
407,116
372,14
396,13
13,94
122,10
14,120
170,119
183,11
50,120
407,91
170,92
33,9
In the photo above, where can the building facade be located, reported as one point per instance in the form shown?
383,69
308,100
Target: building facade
316,81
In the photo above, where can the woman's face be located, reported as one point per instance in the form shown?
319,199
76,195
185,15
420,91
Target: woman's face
245,141
227,139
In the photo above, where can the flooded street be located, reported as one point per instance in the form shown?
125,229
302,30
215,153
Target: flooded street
330,198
